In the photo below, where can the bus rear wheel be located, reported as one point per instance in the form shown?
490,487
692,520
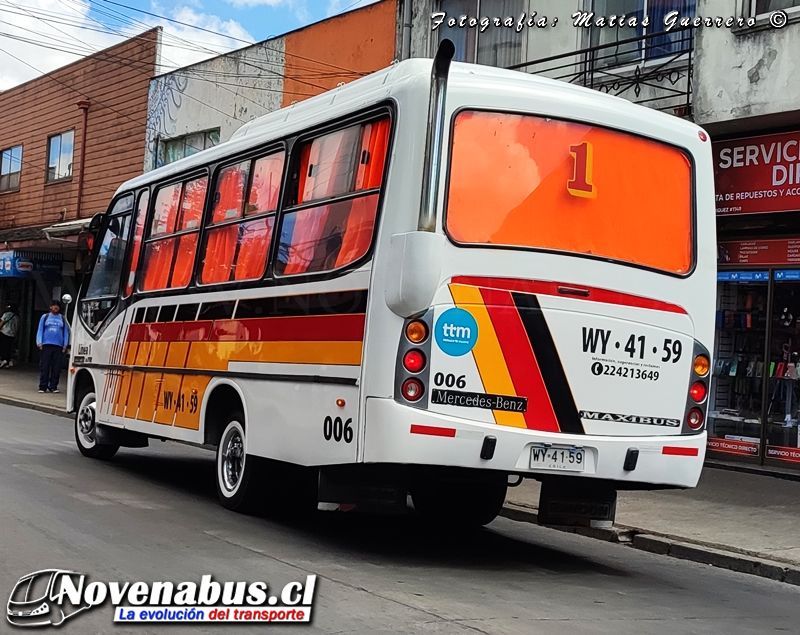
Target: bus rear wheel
86,429
460,503
239,475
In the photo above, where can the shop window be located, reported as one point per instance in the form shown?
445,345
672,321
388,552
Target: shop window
10,168
783,392
735,410
138,234
59,155
170,249
239,236
344,168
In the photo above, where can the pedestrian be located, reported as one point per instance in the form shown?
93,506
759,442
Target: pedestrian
9,327
52,338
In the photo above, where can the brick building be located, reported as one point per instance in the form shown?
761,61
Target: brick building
67,140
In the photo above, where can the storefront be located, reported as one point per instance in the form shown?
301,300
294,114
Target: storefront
29,279
755,399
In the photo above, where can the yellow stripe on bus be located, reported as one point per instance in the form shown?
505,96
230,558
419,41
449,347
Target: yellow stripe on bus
488,354
216,355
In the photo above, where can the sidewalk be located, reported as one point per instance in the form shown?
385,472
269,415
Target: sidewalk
735,512
19,386
729,512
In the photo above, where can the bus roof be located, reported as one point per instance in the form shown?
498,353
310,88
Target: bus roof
380,86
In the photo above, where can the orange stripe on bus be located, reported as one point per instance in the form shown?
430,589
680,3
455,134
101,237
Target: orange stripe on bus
488,354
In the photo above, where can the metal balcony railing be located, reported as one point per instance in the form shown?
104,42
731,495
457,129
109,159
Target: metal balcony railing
654,70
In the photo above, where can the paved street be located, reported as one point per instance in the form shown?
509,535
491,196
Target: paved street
152,515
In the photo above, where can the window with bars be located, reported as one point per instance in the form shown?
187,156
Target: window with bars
674,42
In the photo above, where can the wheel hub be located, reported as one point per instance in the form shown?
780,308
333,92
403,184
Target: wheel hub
86,420
233,460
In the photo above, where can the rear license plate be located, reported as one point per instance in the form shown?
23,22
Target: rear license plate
558,458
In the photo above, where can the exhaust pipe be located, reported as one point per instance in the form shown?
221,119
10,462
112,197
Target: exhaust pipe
433,142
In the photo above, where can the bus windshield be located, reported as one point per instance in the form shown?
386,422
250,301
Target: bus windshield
541,183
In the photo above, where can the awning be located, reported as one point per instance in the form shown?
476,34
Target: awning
68,228
29,264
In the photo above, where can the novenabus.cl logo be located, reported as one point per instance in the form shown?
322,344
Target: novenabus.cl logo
38,599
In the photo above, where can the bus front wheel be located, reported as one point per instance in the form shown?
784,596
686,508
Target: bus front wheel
238,475
460,503
86,429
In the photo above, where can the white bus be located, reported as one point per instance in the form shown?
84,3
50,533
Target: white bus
436,280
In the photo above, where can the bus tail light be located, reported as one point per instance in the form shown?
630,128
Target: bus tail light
698,391
701,365
412,389
694,419
414,361
416,331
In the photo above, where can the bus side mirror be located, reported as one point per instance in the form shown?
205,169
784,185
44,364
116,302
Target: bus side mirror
86,242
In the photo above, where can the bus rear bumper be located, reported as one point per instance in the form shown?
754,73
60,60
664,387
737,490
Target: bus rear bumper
399,434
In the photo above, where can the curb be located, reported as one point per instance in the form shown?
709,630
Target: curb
716,556
30,405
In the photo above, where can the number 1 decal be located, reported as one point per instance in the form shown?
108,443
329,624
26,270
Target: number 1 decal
581,183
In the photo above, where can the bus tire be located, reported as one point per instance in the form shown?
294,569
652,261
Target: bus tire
238,475
460,504
86,426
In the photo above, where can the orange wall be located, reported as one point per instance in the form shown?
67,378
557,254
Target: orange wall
362,41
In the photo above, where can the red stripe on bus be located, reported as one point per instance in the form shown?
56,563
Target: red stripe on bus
679,451
348,328
520,360
574,292
432,430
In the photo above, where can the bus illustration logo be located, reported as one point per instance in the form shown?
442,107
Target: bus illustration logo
37,599
456,332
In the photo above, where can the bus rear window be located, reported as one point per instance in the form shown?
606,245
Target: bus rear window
532,182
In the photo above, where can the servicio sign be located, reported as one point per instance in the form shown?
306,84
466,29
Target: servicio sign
758,174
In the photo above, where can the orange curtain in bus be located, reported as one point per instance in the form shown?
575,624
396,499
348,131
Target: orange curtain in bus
159,254
358,230
157,264
374,142
194,198
264,191
221,243
308,226
254,239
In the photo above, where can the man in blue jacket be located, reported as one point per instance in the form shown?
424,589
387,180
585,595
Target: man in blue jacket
52,338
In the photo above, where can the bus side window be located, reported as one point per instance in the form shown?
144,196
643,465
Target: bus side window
337,233
170,248
238,240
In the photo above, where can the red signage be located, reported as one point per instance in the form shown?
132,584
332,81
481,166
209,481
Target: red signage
760,252
747,448
758,174
783,454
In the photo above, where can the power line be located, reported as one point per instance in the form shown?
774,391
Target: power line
199,28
